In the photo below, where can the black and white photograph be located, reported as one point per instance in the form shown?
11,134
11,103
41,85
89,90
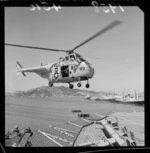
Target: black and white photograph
74,76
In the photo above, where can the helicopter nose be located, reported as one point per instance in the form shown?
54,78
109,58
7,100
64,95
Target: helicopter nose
91,70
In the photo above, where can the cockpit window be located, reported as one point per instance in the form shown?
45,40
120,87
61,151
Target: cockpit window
72,57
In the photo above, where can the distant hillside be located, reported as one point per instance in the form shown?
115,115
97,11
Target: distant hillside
46,91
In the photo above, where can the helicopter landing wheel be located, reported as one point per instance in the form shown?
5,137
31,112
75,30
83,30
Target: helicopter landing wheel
71,86
87,85
50,84
79,84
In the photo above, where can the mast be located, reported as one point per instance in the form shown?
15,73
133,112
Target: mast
136,95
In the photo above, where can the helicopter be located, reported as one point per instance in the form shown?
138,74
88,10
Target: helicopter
71,68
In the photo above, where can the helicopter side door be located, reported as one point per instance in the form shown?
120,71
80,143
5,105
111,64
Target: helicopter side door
65,71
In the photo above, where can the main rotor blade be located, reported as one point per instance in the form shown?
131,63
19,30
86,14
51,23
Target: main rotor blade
110,26
90,56
48,49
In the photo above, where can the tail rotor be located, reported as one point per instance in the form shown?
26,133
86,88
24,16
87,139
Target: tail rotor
19,67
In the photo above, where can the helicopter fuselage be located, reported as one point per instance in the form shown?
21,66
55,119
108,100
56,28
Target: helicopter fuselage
70,73
72,68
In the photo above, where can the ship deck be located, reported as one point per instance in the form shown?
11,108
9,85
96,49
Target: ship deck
61,135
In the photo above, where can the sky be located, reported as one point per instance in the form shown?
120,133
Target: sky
120,50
